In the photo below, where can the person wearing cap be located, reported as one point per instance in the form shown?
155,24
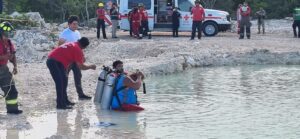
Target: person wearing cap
114,16
296,22
71,34
175,21
144,28
7,53
245,20
198,17
100,20
59,61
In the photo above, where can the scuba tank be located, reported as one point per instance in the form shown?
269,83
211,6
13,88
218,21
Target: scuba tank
108,91
100,84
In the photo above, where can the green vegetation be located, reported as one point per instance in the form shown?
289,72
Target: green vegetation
59,10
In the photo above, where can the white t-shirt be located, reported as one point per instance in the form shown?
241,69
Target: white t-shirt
70,36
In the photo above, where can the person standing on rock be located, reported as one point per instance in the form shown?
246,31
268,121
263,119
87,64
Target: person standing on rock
245,20
261,14
7,53
101,21
71,34
114,16
58,62
238,19
198,17
296,22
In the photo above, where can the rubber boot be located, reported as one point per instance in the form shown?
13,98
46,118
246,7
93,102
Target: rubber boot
13,109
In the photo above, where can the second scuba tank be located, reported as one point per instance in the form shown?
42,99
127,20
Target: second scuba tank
100,84
108,92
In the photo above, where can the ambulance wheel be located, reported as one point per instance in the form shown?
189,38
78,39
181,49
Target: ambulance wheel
210,29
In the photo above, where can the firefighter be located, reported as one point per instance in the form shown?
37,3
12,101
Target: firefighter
7,53
101,20
238,19
198,16
144,29
261,14
175,21
296,22
245,20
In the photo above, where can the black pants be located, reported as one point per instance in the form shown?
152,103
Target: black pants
295,25
175,30
144,29
77,78
197,25
245,24
8,87
130,28
101,24
59,75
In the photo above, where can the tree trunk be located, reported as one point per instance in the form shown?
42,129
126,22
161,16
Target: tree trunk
87,13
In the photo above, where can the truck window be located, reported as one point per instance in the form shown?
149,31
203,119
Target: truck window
185,5
134,3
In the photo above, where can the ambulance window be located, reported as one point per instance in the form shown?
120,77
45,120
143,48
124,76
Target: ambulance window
134,3
184,5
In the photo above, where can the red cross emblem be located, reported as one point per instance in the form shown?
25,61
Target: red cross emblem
186,17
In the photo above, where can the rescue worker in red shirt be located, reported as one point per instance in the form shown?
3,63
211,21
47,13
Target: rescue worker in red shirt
58,63
144,29
198,16
136,22
7,53
245,20
101,21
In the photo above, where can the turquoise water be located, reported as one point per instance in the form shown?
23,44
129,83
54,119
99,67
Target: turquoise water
225,102
244,102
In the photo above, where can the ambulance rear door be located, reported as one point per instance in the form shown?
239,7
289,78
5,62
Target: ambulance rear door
186,17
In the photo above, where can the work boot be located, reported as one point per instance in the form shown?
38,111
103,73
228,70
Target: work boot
13,109
64,107
84,97
69,103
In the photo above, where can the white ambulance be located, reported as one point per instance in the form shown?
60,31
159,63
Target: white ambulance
160,11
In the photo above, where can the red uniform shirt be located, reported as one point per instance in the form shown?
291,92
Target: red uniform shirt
144,15
245,11
198,13
101,13
135,17
6,47
67,54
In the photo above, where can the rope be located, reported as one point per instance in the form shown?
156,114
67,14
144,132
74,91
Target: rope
10,84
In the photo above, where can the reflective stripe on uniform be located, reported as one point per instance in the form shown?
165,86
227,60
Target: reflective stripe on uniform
12,101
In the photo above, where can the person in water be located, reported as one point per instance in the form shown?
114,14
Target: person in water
124,93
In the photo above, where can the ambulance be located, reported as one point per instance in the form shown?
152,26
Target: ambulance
160,19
